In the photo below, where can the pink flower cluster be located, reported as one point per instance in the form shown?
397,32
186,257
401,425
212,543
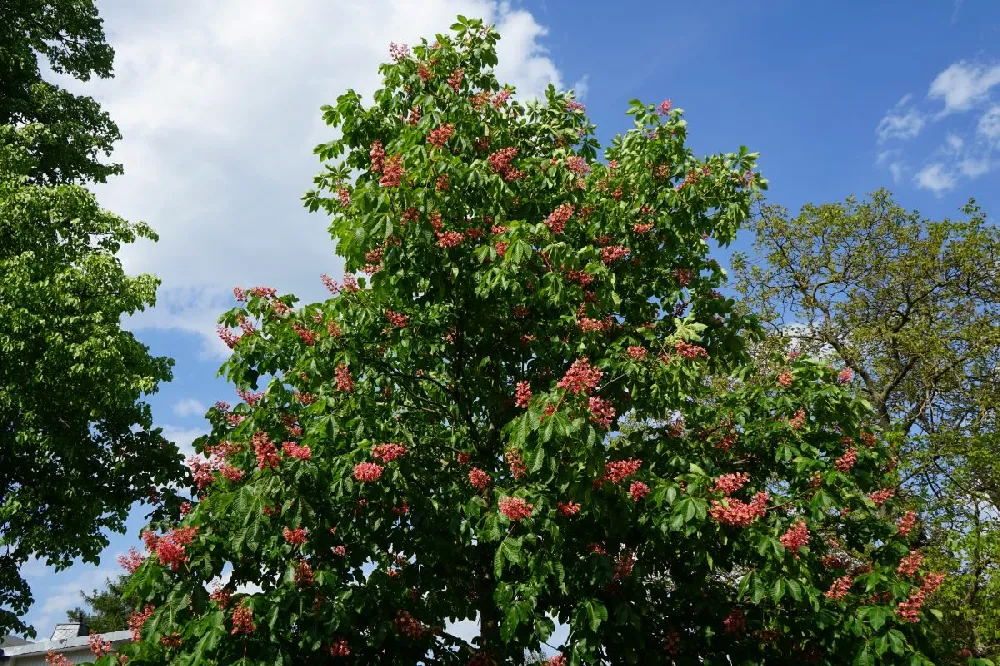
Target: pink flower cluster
296,537
556,221
664,107
617,471
737,513
581,377
909,565
602,412
267,455
568,509
522,395
839,588
906,522
573,105
389,451
367,472
393,174
516,464
449,239
304,574
846,461
734,623
377,156
56,659
399,52
613,253
243,619
558,660
880,497
170,548
305,334
908,610
785,379
577,165
455,80
344,381
637,353
440,135
690,351
138,618
796,537
293,450
396,319
340,648
728,484
500,162
515,508
98,646
845,375
409,626
638,490
478,478
132,561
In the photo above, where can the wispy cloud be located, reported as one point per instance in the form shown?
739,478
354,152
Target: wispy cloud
962,88
936,178
962,85
189,407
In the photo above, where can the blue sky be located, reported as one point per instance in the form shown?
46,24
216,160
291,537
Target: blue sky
218,103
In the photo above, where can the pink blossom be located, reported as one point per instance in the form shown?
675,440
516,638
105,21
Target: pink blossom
616,471
132,561
568,509
581,377
846,461
796,537
440,135
908,565
556,221
840,588
664,107
845,375
906,522
396,319
394,172
638,490
389,452
399,52
515,508
736,513
343,378
267,455
478,478
293,450
522,395
728,484
367,472
613,253
602,412
377,156
296,537
243,619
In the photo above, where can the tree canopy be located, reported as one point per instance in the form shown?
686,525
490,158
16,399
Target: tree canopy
438,442
913,307
77,444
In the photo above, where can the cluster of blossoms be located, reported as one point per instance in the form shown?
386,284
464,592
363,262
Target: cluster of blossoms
449,239
906,522
638,490
556,221
613,253
785,379
845,375
602,411
516,463
344,381
243,619
221,596
617,471
568,509
293,450
637,353
734,623
515,508
439,136
132,561
797,421
170,548
690,351
265,451
138,618
408,625
296,537
389,451
880,497
367,472
737,513
664,107
728,484
98,646
840,588
304,334
478,478
399,52
909,565
397,319
581,377
304,574
393,173
522,395
796,537
908,610
339,648
56,659
846,461
500,162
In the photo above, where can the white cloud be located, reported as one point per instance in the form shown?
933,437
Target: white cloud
989,124
954,143
183,438
189,407
218,103
962,85
973,168
900,122
896,169
936,178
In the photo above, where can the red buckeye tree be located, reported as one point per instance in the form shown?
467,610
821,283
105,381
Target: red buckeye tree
438,442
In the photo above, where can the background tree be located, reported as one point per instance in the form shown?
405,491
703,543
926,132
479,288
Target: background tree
107,609
434,444
912,306
77,446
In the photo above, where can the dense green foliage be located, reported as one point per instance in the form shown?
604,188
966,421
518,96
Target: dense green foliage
913,306
77,446
437,442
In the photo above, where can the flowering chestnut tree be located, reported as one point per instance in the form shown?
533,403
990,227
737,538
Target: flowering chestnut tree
437,442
